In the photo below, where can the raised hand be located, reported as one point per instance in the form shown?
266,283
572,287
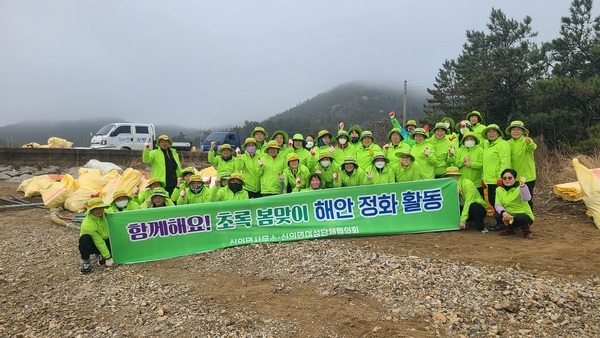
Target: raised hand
427,152
392,114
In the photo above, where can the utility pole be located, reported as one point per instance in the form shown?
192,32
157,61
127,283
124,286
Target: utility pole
404,105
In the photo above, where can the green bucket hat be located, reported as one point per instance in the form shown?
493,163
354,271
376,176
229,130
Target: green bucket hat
355,128
517,124
395,130
441,125
187,170
367,133
471,134
379,156
342,133
282,133
323,133
271,144
247,142
259,129
405,153
476,113
299,137
490,127
419,131
348,160
452,171
160,192
164,137
315,174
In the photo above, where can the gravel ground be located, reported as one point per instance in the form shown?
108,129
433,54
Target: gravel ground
320,288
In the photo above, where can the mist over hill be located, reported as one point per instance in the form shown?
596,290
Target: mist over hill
354,103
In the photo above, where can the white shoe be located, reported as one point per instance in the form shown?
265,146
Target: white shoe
484,231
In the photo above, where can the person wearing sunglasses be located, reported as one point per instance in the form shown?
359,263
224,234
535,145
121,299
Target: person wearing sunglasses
512,207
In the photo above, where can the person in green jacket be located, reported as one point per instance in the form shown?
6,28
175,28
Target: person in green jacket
195,193
147,193
295,173
299,146
247,165
472,205
407,169
183,182
496,158
270,169
380,172
160,198
93,236
225,163
406,132
423,153
511,206
366,149
469,159
477,125
283,141
355,132
329,171
442,147
522,147
234,189
122,202
323,145
220,183
344,148
260,135
164,161
351,174
315,182
395,146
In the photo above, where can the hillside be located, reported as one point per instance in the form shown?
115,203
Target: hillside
353,103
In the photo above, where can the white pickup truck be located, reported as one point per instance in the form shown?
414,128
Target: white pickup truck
129,136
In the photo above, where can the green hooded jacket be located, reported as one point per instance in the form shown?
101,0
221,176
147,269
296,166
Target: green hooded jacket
156,159
496,158
97,228
521,157
468,192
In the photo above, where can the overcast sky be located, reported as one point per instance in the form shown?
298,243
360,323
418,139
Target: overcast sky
207,64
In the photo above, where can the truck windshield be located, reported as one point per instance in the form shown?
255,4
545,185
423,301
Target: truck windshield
105,130
219,137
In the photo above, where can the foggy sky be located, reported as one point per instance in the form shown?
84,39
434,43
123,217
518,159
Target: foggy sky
215,63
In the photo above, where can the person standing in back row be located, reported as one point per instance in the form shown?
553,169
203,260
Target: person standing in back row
164,162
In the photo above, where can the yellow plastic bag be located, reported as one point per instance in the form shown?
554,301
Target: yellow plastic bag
590,185
56,195
37,185
78,199
92,180
128,181
57,142
569,191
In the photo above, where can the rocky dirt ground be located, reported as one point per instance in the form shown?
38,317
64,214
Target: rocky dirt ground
448,284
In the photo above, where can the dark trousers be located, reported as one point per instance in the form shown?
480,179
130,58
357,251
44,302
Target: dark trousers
492,194
519,220
530,185
252,194
477,213
87,246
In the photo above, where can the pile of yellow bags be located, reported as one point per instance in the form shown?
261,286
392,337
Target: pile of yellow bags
590,187
53,142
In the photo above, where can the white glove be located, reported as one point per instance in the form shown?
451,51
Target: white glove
331,149
451,151
136,191
238,151
298,182
386,146
109,262
182,193
290,143
335,176
147,145
312,152
281,177
260,162
369,176
463,225
427,152
317,171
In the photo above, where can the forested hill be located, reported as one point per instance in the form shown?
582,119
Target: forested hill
352,103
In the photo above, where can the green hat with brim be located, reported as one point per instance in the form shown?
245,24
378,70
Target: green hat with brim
163,137
367,133
448,119
476,113
355,128
405,153
469,134
379,156
282,133
323,133
419,131
156,180
160,192
247,142
395,130
259,129
441,125
95,203
342,133
299,137
322,184
271,144
452,171
349,160
187,170
517,124
492,126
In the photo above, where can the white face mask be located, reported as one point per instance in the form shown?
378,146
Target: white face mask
447,124
121,204
379,164
325,163
469,143
309,144
342,141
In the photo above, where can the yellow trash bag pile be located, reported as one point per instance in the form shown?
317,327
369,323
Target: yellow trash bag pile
53,142
34,186
572,191
590,186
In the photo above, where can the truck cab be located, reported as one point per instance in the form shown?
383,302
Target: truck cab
128,136
222,137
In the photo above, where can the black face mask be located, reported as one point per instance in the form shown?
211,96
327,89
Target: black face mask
354,139
196,189
235,187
